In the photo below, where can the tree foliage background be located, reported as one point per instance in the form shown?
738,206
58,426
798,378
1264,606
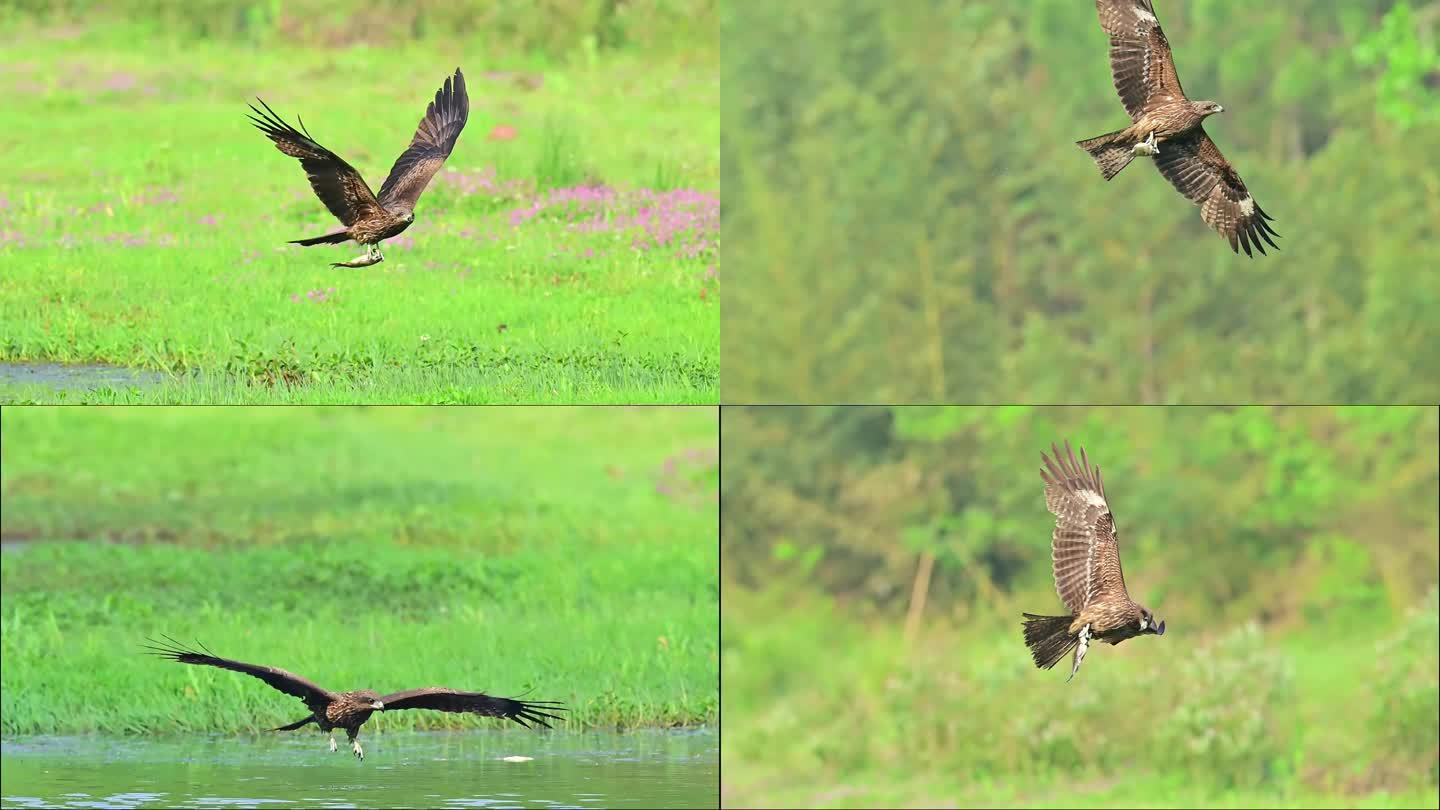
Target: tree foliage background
1284,514
875,560
912,222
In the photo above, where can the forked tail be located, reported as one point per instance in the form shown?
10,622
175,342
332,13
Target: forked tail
296,724
1110,152
327,239
1048,638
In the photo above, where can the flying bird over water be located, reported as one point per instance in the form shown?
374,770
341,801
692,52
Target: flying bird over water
349,710
369,219
1166,124
1086,554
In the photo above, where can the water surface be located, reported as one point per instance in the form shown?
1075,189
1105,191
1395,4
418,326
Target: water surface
440,769
78,377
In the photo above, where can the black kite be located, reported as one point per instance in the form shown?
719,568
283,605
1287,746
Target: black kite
349,710
1086,555
1144,72
368,219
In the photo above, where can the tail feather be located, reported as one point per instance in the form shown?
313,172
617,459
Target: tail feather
327,239
1111,152
1048,638
296,724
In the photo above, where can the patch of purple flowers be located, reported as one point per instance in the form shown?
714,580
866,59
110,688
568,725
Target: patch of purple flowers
689,476
315,296
482,181
685,220
70,240
138,239
120,81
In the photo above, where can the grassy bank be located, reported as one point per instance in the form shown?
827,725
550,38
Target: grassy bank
566,551
1224,717
567,253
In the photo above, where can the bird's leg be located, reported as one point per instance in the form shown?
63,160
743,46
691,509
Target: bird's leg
371,256
1080,651
333,746
1147,146
355,742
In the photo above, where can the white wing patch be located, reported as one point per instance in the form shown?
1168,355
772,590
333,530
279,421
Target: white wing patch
1145,15
1092,497
1247,206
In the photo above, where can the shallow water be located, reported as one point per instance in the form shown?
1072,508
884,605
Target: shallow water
404,769
80,377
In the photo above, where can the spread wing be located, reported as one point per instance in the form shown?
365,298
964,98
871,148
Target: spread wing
1084,548
442,699
1194,166
1140,58
433,140
287,682
336,182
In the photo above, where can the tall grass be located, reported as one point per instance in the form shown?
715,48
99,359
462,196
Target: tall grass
551,29
567,553
144,222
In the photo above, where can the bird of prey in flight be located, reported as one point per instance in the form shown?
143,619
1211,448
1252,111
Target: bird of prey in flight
1166,125
369,219
1086,554
349,710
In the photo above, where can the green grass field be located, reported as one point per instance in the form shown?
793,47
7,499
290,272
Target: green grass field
1222,717
567,253
567,551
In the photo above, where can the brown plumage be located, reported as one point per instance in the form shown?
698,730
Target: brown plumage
349,710
1167,125
1085,553
369,219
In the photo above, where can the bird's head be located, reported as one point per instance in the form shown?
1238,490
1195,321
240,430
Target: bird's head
1205,108
1149,624
408,216
370,698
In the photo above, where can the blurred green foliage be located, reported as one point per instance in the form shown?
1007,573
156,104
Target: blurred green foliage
876,559
903,175
1407,91
1262,510
1228,724
1409,702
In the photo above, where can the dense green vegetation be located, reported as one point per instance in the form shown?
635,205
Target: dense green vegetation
876,561
568,551
905,176
568,252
